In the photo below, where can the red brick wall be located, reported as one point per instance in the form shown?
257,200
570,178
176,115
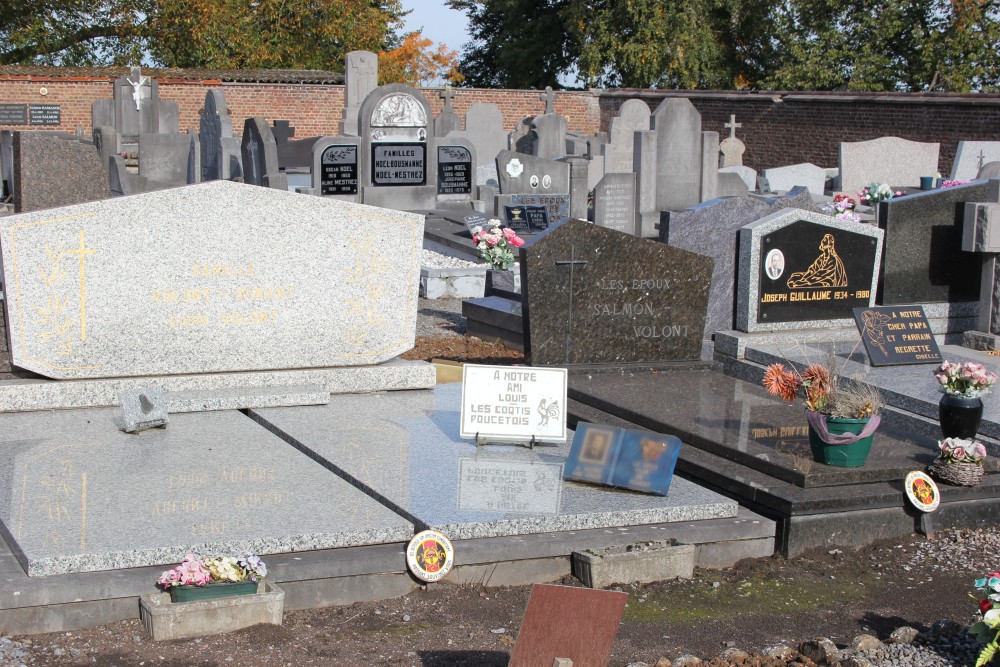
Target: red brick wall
808,127
314,110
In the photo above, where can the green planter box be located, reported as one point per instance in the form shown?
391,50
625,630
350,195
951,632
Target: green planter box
212,591
165,620
843,456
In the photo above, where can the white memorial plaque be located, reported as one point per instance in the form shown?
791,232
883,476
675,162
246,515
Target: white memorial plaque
513,403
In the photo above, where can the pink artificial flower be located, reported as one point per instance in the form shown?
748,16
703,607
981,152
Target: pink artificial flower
980,450
516,241
508,233
492,240
958,453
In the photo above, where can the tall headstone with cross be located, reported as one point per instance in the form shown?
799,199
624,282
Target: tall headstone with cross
732,149
220,150
136,108
447,121
971,156
549,129
260,155
594,295
360,79
633,116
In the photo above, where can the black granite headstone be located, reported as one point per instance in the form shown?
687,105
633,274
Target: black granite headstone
474,220
594,295
923,261
526,219
454,170
897,335
399,164
813,272
339,164
44,114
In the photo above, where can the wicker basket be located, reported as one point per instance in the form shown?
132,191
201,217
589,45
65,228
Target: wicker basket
959,474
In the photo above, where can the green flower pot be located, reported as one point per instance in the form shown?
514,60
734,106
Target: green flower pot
843,456
219,589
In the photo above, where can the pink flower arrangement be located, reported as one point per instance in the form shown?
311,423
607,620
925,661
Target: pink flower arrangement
201,572
191,572
496,245
967,379
957,450
952,182
987,629
873,193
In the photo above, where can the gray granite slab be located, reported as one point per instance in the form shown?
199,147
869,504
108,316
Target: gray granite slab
898,162
83,496
22,395
229,278
253,397
51,171
806,174
407,451
679,154
520,173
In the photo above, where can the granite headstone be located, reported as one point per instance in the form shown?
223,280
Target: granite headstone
806,174
633,116
360,79
527,174
50,171
972,156
679,154
92,295
898,162
614,203
804,270
594,295
335,167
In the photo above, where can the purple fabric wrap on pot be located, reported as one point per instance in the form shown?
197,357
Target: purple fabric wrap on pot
818,421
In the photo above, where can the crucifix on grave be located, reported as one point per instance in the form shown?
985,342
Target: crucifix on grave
137,85
981,233
982,159
446,95
572,263
549,98
732,149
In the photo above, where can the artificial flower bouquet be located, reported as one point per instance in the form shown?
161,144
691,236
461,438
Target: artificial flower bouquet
957,450
987,629
201,572
873,193
959,462
822,391
496,245
843,207
967,379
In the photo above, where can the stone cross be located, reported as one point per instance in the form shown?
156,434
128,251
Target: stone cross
732,126
572,263
446,95
137,85
982,158
549,98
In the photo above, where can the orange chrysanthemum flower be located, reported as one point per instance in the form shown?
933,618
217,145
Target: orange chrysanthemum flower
782,383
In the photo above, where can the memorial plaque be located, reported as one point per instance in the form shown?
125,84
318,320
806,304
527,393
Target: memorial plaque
556,205
526,219
44,114
614,202
802,269
399,164
577,624
474,220
339,170
594,295
222,287
897,335
13,114
510,404
626,458
454,170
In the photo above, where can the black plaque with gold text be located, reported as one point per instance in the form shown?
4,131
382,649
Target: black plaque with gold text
897,335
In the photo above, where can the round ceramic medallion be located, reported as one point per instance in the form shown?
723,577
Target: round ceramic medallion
922,491
429,555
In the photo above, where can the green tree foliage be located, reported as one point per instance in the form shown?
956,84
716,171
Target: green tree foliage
951,45
906,45
290,34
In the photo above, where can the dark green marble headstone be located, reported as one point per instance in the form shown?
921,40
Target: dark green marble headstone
594,295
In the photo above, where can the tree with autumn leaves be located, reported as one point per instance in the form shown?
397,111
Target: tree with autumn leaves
220,34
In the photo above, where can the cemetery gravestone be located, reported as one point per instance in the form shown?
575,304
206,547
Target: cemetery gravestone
164,158
614,203
594,295
215,127
732,148
972,156
898,162
89,295
360,79
50,171
709,166
527,174
679,154
7,161
897,335
803,270
644,160
806,174
447,121
712,229
989,171
335,167
981,234
484,128
455,164
260,155
633,116
923,261
136,108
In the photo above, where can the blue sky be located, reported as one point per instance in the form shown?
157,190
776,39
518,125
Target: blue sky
439,23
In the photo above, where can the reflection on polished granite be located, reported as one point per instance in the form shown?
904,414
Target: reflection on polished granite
78,495
911,388
740,422
403,448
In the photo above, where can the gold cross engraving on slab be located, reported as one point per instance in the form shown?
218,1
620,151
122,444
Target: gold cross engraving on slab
83,251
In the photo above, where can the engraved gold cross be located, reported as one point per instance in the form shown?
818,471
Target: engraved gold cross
83,251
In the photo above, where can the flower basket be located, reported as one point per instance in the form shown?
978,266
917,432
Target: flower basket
211,591
958,474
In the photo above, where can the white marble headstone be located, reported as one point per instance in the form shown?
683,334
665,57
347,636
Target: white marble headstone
213,277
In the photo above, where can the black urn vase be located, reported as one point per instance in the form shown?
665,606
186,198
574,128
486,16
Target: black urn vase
960,416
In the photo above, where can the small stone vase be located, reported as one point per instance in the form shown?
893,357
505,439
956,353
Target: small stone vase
960,416
502,282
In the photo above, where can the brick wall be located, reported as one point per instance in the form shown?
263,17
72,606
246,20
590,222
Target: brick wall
808,127
313,109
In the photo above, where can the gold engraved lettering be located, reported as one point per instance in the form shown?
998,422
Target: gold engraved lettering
83,251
